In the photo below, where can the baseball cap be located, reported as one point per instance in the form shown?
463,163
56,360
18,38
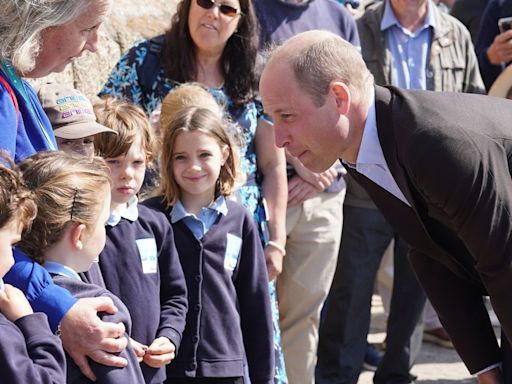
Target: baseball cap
69,111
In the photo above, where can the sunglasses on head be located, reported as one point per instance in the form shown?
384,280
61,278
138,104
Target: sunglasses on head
225,9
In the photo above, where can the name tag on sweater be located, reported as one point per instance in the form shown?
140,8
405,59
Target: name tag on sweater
148,254
233,246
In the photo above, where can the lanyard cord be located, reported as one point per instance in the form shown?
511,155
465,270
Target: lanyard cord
20,87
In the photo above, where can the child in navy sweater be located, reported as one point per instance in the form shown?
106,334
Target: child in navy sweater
221,255
140,263
72,194
29,352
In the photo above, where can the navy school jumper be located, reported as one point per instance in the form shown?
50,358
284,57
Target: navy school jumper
229,302
104,374
140,265
29,352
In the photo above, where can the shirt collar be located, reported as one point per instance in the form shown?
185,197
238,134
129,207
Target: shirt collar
389,19
60,269
179,212
370,151
131,213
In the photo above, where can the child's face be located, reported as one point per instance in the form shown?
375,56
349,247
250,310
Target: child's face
94,240
127,173
10,234
83,146
196,162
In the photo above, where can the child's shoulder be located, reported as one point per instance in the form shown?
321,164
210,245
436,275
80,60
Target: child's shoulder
80,289
237,209
155,203
151,212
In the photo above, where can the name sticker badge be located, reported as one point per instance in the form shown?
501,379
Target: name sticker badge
233,246
148,254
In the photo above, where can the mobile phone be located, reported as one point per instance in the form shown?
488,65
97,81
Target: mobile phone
504,24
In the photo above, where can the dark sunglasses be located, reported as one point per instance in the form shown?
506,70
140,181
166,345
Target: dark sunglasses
225,9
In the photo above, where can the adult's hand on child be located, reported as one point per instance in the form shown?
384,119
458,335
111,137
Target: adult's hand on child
13,303
160,353
84,335
139,349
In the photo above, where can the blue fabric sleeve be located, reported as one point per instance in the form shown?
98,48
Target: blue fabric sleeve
8,119
37,284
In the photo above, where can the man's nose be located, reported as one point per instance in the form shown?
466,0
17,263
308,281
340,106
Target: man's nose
281,136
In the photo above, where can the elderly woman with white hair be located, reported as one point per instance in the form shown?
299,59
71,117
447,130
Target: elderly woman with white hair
38,38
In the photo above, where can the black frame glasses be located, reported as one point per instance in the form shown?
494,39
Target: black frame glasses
225,9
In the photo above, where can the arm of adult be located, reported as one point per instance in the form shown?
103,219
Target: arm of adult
469,188
272,163
37,284
8,119
307,184
487,35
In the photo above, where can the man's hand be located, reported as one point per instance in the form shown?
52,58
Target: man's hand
160,353
500,51
274,261
84,334
490,377
13,303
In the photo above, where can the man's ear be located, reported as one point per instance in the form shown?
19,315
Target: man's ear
341,93
77,236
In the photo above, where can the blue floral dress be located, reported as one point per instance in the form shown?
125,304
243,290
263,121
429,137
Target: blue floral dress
124,83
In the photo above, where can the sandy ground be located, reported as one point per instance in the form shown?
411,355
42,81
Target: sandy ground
434,364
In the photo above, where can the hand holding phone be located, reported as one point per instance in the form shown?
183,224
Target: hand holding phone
500,51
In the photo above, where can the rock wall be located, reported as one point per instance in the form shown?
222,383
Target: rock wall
129,21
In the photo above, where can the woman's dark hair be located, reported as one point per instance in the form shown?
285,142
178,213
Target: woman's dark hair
238,59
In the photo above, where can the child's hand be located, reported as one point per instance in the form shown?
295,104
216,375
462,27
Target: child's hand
13,303
139,349
160,353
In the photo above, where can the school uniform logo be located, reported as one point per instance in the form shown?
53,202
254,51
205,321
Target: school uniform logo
233,247
148,254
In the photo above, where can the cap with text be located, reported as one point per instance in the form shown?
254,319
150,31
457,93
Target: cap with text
69,111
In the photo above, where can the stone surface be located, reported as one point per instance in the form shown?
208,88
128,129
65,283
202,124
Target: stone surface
128,22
